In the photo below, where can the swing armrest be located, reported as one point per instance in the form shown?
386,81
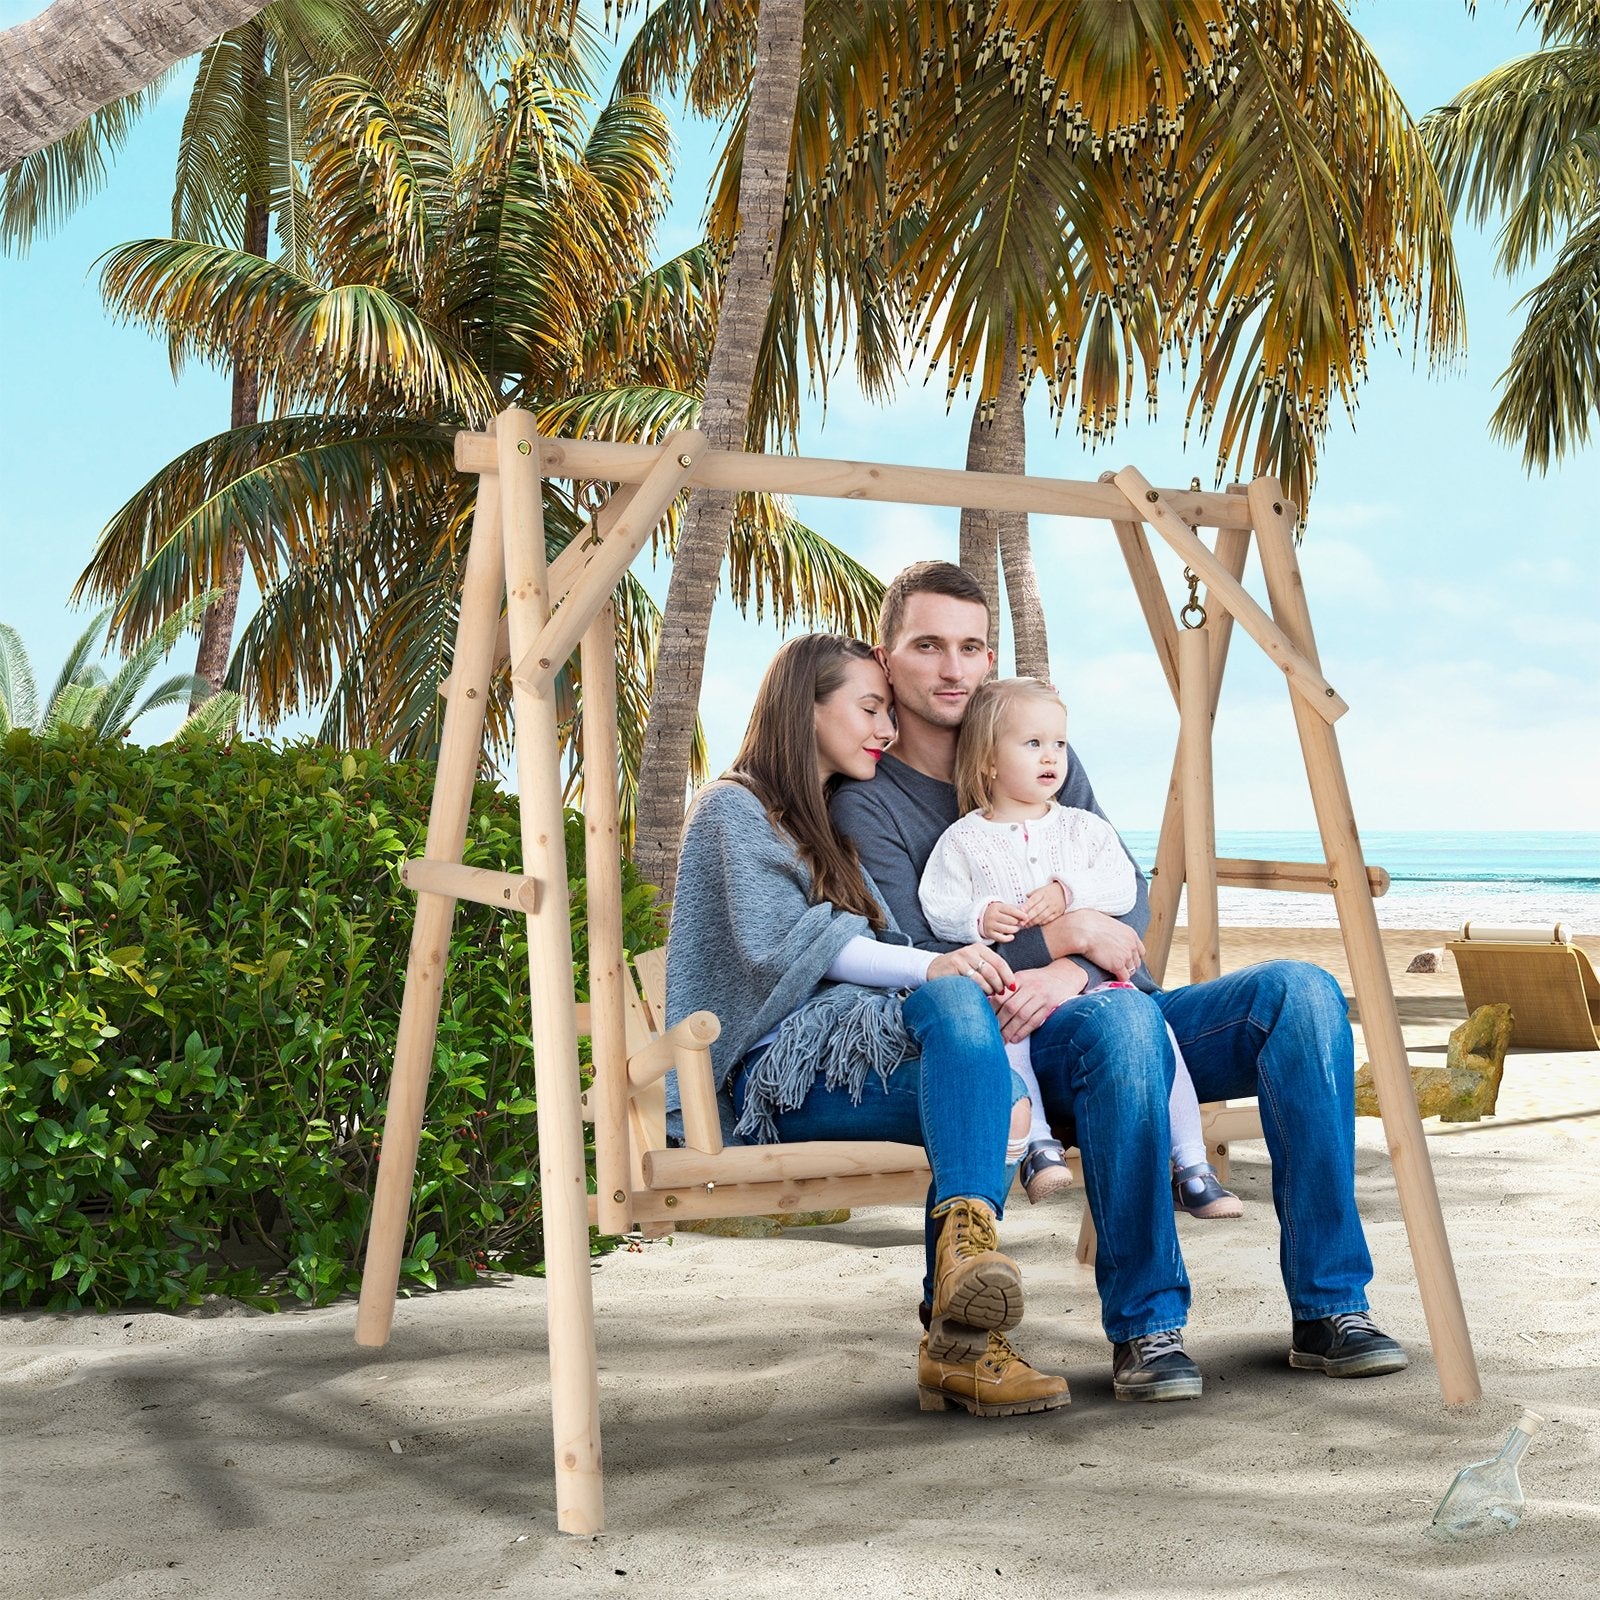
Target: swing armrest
693,1036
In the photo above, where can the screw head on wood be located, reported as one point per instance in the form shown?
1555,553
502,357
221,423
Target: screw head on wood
1277,508
686,460
618,1196
671,1200
472,694
1151,496
524,448
1329,693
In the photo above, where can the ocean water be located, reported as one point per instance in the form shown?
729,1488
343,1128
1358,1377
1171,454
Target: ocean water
1437,880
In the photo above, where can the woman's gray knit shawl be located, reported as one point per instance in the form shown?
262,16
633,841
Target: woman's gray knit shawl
746,943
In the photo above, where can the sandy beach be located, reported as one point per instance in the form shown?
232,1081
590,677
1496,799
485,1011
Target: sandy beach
761,1429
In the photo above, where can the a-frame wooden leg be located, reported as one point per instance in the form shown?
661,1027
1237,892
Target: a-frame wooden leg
1369,972
608,970
574,1379
1199,826
461,745
1166,880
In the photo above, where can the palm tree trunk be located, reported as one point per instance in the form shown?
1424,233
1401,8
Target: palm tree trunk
980,534
1000,445
724,418
79,55
216,630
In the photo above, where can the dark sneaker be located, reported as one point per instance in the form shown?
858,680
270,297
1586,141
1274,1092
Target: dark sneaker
1199,1191
1154,1367
1345,1345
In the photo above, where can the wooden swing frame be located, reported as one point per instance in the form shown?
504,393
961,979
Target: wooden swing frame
549,613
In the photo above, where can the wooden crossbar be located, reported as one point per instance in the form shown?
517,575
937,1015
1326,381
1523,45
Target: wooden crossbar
505,891
1295,877
592,459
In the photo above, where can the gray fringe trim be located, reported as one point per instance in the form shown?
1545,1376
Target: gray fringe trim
840,1037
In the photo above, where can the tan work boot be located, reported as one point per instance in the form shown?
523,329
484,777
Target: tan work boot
976,1290
998,1384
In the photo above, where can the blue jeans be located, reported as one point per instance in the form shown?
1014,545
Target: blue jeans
1280,1032
954,1099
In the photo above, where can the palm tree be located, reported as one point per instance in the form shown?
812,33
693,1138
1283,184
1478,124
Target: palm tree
1523,144
83,697
472,249
74,58
237,181
1075,193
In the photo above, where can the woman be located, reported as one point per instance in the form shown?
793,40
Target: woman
833,1027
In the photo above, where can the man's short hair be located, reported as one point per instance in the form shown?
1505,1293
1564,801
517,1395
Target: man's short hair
924,577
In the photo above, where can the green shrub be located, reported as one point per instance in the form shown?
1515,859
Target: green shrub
202,953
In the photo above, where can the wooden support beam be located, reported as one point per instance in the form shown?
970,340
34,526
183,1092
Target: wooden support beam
505,891
566,566
1369,971
778,1163
1167,872
563,1185
856,480
1222,589
609,981
460,745
1294,877
606,563
698,1031
1199,823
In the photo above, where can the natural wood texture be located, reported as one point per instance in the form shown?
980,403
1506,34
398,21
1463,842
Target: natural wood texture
1296,877
506,891
1369,973
696,1033
565,568
483,582
697,1094
574,1385
1166,877
1199,822
860,480
1223,589
776,1163
606,563
609,983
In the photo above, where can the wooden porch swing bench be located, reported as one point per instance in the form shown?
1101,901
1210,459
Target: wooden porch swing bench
550,612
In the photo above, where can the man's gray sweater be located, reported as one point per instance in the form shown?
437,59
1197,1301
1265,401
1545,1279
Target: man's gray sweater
895,820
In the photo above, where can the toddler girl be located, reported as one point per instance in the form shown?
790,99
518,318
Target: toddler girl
1018,859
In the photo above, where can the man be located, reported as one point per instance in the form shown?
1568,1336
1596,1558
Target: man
1279,1032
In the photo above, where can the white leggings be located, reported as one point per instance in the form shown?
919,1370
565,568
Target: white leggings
1183,1107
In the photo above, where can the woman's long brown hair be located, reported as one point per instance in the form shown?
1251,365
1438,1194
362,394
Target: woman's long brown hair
777,762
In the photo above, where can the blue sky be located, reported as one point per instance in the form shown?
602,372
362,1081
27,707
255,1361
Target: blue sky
1455,599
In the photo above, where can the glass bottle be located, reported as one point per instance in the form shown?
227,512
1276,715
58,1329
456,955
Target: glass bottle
1487,1496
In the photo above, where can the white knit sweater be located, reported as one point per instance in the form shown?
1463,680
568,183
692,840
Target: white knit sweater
977,861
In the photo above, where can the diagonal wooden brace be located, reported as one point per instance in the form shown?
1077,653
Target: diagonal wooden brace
1221,586
608,561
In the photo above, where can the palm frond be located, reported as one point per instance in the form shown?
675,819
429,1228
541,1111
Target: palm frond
280,487
43,190
19,696
1551,388
1523,142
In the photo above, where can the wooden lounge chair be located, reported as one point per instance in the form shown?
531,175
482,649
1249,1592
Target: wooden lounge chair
1547,981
